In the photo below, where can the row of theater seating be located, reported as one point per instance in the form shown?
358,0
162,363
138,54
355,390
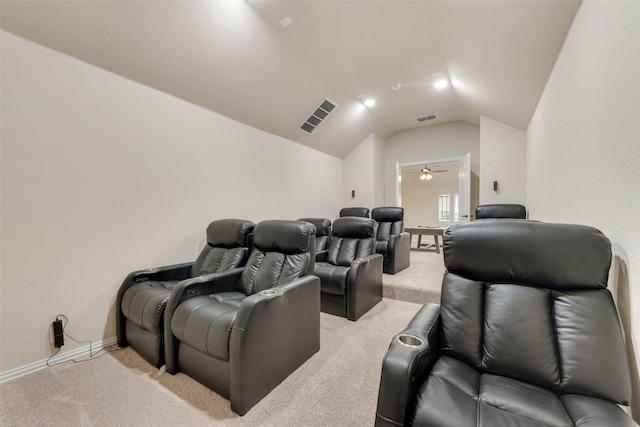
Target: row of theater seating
392,242
526,332
190,316
239,319
246,312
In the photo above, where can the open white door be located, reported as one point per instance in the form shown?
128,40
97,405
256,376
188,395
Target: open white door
464,187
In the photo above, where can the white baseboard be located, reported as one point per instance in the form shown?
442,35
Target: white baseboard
59,358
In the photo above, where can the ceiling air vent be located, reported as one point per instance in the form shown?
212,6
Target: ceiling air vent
317,116
426,118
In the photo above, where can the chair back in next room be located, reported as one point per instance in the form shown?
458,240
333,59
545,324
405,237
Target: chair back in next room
354,211
501,211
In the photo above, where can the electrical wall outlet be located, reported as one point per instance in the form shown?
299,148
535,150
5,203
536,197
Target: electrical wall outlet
58,333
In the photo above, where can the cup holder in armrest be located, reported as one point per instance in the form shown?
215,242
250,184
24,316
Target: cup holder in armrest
410,340
268,292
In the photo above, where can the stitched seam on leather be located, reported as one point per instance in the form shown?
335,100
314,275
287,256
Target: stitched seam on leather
444,379
485,288
552,306
481,400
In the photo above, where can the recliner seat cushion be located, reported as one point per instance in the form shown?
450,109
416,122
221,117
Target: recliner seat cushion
205,324
333,278
457,395
144,303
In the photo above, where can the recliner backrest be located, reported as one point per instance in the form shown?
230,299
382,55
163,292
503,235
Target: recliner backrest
523,299
282,251
504,210
355,211
323,232
390,221
352,238
227,246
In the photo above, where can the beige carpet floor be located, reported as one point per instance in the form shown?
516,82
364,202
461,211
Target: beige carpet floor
420,283
338,386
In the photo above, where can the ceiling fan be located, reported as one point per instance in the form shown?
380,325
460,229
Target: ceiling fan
427,173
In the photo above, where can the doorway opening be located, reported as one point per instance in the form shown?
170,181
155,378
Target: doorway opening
434,192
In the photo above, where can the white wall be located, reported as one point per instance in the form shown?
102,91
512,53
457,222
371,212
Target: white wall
358,172
435,142
503,152
378,171
585,136
102,176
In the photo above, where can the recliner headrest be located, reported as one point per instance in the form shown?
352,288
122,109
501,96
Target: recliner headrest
323,225
501,211
354,227
388,214
230,233
555,256
284,236
354,211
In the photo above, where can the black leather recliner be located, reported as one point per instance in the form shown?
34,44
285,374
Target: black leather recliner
526,334
143,294
392,242
241,333
354,211
351,270
323,234
504,210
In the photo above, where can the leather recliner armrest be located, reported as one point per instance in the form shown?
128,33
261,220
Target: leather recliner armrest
274,333
168,272
405,366
398,252
201,285
364,285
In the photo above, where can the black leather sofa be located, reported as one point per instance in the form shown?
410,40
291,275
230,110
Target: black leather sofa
241,333
504,210
143,295
526,334
392,242
351,271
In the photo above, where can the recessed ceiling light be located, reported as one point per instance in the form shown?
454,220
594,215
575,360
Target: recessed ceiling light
396,86
440,80
440,84
369,102
286,21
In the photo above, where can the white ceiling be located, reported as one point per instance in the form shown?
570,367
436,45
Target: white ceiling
235,58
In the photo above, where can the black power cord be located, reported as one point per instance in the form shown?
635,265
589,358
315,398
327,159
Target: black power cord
91,354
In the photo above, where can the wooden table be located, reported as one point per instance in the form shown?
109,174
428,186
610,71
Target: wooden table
426,231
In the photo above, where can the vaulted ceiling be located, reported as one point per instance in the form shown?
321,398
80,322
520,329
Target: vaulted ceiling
241,59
